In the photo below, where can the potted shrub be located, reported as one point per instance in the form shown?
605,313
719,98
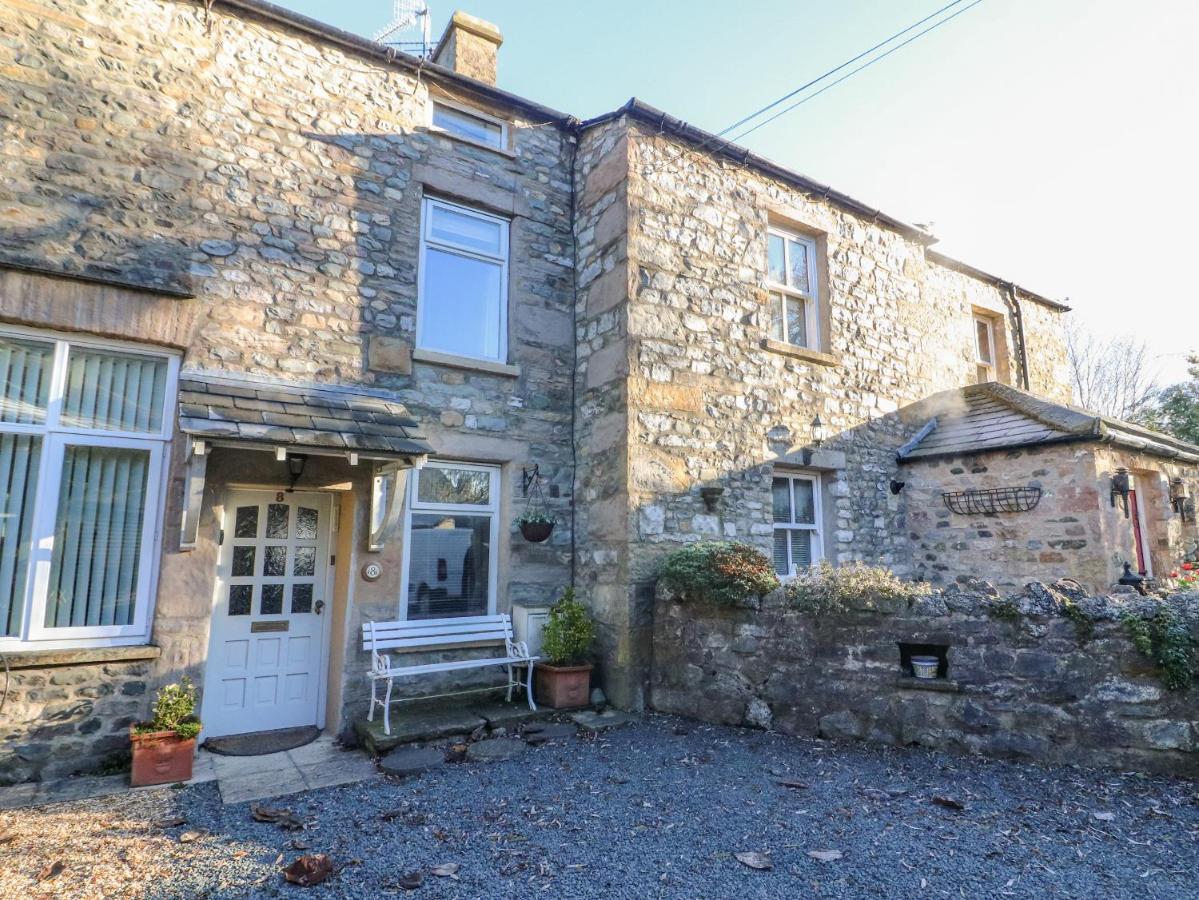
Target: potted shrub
165,747
536,525
564,679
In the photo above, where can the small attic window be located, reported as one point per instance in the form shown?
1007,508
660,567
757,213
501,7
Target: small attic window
470,126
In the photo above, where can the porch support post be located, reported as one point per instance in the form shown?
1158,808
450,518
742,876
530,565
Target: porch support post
193,495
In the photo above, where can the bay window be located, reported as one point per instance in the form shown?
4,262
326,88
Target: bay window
451,532
797,533
83,432
462,305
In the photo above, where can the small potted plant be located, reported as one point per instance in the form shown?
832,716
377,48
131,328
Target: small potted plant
536,525
165,747
564,679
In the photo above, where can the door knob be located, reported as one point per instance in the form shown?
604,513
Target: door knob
320,607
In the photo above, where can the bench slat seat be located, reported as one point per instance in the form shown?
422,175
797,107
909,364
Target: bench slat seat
443,635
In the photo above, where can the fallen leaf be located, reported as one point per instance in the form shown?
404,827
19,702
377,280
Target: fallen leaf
309,870
445,870
826,855
391,814
51,870
412,881
281,817
949,803
1105,816
755,860
7,837
298,844
190,837
169,822
787,783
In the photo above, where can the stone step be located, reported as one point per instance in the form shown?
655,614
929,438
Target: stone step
427,722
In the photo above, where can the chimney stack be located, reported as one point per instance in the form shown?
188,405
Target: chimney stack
469,46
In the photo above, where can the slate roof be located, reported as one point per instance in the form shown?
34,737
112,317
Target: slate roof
225,408
994,416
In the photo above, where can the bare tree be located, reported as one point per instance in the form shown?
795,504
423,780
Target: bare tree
1112,376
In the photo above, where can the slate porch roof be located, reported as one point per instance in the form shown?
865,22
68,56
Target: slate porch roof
222,408
994,416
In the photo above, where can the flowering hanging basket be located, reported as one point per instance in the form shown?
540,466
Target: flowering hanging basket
536,532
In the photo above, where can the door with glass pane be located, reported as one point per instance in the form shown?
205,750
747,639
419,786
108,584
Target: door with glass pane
265,661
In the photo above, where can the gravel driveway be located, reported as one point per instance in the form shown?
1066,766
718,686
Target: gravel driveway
658,809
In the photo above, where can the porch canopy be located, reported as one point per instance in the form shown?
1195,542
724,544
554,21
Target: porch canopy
224,411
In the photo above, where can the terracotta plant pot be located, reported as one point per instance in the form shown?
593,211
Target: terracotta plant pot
161,757
563,687
536,532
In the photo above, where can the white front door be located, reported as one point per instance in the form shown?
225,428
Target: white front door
268,638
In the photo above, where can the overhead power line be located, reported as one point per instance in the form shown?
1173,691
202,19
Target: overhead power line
849,74
848,62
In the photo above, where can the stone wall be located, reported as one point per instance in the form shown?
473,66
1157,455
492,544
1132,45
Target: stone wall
1034,688
1073,532
62,718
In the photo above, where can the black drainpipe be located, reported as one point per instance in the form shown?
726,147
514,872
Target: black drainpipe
1018,318
574,134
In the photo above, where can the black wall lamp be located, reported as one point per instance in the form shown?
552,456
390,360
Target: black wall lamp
1121,486
295,468
818,434
711,496
897,485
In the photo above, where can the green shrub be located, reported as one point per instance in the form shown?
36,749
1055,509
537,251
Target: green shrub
825,588
720,572
568,633
175,710
1006,610
1167,641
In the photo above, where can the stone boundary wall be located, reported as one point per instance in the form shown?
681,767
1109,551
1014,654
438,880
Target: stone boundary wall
1030,687
62,719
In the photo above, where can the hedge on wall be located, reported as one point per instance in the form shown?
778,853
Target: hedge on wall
722,572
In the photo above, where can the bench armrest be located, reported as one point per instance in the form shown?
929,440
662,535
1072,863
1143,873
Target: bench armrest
518,649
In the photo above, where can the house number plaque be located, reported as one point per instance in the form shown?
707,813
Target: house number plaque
371,571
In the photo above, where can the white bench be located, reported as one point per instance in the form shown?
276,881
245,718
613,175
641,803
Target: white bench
440,634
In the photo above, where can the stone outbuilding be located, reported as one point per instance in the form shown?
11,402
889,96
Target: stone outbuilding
1013,488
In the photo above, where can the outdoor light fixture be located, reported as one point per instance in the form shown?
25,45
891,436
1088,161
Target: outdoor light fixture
1178,496
295,468
1121,486
711,496
817,432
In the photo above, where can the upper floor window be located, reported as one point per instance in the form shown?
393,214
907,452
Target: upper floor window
463,294
84,427
471,126
798,541
791,280
984,349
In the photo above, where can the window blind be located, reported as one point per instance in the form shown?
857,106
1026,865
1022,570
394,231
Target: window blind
20,455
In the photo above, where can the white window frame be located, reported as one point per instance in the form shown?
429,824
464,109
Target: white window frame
34,634
816,528
472,113
811,299
992,367
427,241
413,505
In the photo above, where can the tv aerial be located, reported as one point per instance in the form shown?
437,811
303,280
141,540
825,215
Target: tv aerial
409,29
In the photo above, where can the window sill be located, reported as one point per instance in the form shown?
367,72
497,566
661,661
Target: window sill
941,685
437,358
812,356
44,659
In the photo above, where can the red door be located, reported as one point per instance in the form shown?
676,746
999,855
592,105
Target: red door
1137,533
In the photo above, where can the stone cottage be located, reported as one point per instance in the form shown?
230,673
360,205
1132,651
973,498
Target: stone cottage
292,326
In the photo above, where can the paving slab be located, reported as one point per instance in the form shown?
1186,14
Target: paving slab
495,749
609,718
285,779
411,760
416,724
549,731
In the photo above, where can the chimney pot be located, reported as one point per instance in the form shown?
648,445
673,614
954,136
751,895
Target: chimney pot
469,46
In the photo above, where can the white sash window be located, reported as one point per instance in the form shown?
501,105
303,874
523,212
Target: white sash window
84,427
798,542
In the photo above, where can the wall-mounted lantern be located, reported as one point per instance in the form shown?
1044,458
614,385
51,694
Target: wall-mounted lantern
295,468
1178,497
897,485
818,434
1121,486
711,496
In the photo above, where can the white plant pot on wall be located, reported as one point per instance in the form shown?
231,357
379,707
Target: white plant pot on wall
925,666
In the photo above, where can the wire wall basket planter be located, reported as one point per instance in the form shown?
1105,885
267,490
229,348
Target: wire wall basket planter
992,501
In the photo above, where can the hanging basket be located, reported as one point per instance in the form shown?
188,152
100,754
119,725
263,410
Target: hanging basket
536,532
992,501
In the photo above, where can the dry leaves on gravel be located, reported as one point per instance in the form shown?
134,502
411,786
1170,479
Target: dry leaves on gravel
281,817
755,860
826,855
309,870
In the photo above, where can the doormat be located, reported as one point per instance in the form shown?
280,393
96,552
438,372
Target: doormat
260,743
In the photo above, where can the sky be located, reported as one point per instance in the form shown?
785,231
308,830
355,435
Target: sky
1051,142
